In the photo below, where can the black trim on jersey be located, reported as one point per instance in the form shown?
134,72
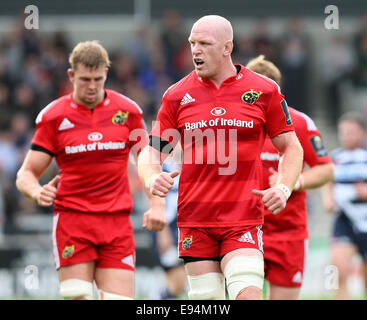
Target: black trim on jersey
36,147
288,119
238,69
160,144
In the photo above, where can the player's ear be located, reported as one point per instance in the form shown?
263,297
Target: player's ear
228,48
71,74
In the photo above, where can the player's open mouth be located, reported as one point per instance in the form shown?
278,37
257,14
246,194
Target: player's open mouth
198,62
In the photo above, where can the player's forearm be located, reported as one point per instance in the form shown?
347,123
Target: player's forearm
28,184
149,164
318,176
290,165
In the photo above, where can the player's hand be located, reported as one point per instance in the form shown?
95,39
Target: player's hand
161,183
273,178
46,195
274,199
154,219
329,204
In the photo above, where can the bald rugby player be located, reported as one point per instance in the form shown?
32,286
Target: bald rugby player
221,113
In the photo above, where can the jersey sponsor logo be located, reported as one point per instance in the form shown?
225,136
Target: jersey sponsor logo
68,251
95,136
251,96
318,146
288,119
187,243
186,99
218,111
95,146
247,237
219,122
66,124
120,117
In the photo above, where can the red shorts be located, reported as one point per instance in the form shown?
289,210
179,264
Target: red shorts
285,262
216,242
84,237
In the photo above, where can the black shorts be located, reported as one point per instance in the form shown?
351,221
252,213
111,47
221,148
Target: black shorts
344,231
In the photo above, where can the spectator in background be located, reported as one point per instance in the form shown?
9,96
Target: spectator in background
360,47
173,41
361,67
347,197
5,107
337,61
294,62
9,163
261,40
25,100
245,50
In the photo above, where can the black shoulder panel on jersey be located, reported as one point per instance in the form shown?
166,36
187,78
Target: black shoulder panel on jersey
36,147
160,144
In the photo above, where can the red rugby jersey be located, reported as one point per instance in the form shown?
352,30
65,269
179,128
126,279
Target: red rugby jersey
222,165
291,223
91,148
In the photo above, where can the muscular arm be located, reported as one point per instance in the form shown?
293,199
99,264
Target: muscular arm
150,163
27,181
291,158
150,171
313,178
290,166
318,175
328,197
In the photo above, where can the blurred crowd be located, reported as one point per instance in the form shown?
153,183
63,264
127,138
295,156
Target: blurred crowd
33,73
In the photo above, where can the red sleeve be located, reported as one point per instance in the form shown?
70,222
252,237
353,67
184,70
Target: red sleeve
45,134
278,119
165,135
311,141
138,133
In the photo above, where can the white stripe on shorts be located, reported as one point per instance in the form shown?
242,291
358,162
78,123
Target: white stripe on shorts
54,241
260,238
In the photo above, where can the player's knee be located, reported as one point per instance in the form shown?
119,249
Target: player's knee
103,295
208,286
76,289
250,293
244,272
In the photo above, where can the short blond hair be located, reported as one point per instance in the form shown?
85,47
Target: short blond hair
265,67
89,53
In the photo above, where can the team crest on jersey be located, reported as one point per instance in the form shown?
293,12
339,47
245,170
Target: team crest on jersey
120,117
68,252
187,243
251,96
